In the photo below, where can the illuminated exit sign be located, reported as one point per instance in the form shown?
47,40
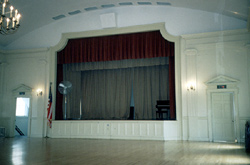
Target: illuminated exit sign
221,86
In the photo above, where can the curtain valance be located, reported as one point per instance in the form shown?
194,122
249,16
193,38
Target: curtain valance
116,47
120,64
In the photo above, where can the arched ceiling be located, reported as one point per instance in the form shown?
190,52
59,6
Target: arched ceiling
39,13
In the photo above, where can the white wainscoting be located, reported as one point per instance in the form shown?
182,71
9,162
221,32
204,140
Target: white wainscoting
6,122
110,129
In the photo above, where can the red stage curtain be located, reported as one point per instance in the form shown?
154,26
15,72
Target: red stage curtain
118,47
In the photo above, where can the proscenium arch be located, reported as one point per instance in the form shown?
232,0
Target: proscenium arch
125,30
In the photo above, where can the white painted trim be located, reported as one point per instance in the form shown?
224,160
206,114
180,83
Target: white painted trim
191,52
24,51
36,135
215,34
221,80
232,89
198,139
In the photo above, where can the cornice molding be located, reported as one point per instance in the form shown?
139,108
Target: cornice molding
22,88
114,31
24,51
221,80
215,34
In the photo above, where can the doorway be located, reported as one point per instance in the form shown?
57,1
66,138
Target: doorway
223,117
22,116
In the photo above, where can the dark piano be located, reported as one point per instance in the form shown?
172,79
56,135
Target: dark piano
163,106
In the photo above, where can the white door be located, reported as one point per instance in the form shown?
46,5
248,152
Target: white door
223,117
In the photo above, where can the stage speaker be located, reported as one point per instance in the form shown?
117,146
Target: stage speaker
108,20
132,113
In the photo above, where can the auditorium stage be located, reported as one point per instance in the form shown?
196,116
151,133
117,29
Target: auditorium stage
116,129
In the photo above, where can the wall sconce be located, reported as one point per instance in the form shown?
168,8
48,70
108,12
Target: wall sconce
191,86
39,92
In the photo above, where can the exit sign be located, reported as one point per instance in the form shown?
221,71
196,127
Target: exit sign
221,86
21,93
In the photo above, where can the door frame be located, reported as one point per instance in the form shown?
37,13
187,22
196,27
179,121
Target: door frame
231,87
22,91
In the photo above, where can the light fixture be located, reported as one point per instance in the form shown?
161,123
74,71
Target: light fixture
9,20
191,86
39,92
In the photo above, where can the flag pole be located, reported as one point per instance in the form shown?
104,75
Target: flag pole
49,111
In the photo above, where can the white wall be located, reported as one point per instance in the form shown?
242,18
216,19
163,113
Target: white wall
205,56
29,68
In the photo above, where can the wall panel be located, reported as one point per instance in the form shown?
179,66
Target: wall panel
150,130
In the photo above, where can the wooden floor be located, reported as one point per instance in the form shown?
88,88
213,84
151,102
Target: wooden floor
39,151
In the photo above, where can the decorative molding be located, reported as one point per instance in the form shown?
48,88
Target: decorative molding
22,87
22,90
191,72
236,46
24,51
198,139
191,52
114,31
215,34
42,61
222,80
36,135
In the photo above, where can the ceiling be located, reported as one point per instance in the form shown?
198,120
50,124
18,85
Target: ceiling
38,13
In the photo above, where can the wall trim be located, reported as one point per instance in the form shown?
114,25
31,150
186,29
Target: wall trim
215,34
24,51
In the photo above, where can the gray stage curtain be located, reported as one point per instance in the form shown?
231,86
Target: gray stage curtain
74,97
106,94
102,90
150,84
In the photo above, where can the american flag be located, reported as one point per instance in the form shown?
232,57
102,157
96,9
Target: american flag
49,109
